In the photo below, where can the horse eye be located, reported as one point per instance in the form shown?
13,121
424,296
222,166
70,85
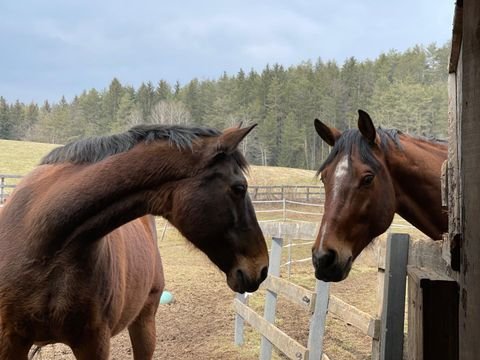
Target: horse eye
367,180
239,189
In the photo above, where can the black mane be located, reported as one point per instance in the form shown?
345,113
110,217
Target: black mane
95,149
353,139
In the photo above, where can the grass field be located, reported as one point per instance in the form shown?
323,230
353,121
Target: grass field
20,157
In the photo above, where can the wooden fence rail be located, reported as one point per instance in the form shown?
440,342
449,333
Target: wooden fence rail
307,193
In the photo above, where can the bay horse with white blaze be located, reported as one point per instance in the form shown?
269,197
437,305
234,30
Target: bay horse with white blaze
369,176
78,255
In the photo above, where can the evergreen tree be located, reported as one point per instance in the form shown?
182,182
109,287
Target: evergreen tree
163,91
405,90
111,102
6,125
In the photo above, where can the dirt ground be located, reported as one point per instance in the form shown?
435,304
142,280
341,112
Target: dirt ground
199,323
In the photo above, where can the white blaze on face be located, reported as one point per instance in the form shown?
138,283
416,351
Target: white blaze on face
339,176
322,236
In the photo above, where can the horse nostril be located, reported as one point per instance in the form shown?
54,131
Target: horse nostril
263,273
329,258
240,278
325,259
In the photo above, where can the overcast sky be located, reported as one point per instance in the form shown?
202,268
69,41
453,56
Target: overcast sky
62,47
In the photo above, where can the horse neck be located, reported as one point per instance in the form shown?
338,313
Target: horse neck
92,200
415,170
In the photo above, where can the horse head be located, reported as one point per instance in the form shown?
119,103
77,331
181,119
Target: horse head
359,197
213,210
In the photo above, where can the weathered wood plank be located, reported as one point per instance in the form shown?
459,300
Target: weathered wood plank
450,250
444,184
415,329
391,342
318,320
295,293
275,336
470,159
430,296
270,296
380,284
364,322
239,321
420,273
456,39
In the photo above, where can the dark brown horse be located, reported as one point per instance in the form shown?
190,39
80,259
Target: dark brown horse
369,176
78,255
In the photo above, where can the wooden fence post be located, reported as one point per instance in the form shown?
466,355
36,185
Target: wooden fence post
317,322
2,192
271,297
380,286
393,314
239,321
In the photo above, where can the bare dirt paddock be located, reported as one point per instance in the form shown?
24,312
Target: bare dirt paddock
199,324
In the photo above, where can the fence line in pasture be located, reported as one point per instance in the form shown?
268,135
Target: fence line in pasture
309,193
5,185
285,209
386,330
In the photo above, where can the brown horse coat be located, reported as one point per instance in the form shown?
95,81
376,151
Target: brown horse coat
71,273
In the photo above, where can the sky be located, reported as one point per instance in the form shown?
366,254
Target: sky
61,47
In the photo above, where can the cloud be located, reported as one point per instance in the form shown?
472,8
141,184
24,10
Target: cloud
64,47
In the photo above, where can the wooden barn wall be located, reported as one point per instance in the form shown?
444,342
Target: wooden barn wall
470,163
452,191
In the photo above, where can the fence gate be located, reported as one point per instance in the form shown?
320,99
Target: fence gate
314,302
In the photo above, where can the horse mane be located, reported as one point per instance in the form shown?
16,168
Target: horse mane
353,139
94,149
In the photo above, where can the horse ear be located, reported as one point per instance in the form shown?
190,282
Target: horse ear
366,127
328,134
229,140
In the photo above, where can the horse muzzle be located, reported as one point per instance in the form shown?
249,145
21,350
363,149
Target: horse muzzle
242,281
329,266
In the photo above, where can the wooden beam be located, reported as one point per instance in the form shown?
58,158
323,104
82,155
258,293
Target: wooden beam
364,322
456,37
275,336
295,293
270,296
239,322
391,342
318,321
470,157
432,315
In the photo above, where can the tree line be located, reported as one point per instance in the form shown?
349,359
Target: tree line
405,90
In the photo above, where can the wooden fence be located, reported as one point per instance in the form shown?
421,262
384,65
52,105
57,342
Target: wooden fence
307,193
6,186
386,330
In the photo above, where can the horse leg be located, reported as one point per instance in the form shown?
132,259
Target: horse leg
96,346
142,331
13,347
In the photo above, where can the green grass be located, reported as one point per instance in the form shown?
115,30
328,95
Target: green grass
20,157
